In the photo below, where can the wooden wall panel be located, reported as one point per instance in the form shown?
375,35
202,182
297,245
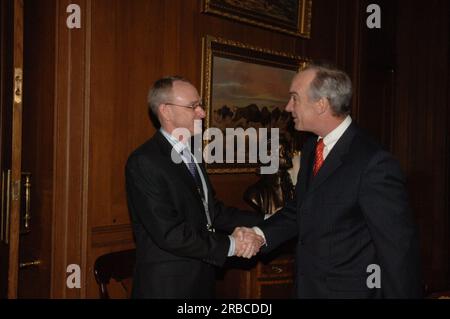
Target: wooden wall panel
402,71
104,70
374,101
71,149
133,43
37,153
421,139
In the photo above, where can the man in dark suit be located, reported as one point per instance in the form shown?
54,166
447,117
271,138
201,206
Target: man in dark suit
181,229
356,236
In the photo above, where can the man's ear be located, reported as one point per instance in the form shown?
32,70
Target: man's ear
323,105
163,112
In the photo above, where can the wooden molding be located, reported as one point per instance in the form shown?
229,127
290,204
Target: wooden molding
71,140
111,235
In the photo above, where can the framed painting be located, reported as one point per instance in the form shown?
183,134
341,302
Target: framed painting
245,88
288,16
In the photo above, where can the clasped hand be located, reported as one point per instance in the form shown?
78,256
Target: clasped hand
247,242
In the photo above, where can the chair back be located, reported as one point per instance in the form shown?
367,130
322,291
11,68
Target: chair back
117,265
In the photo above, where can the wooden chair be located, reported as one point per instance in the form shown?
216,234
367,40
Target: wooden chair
117,265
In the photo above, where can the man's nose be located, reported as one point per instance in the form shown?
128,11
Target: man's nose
289,107
200,112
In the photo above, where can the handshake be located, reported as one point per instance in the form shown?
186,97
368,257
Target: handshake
247,242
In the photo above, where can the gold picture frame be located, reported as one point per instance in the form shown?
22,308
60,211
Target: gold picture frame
287,16
261,79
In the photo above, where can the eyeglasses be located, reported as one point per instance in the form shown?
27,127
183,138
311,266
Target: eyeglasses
193,106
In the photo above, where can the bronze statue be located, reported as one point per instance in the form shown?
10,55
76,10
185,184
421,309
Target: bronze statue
271,192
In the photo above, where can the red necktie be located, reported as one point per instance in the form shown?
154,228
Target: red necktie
319,156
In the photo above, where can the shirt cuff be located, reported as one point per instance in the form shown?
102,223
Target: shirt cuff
259,232
232,246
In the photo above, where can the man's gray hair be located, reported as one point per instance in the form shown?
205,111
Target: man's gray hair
161,92
333,84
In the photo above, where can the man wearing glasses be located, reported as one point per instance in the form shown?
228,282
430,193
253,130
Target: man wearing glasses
181,229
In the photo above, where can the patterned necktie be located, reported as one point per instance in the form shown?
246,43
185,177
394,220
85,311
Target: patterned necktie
319,157
192,168
194,172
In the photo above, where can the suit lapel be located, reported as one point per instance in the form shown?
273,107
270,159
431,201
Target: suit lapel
180,168
334,159
303,178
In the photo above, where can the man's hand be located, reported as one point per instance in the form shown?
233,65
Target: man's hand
247,242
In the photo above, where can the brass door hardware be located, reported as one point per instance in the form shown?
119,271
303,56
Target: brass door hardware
27,216
12,191
29,264
277,270
18,79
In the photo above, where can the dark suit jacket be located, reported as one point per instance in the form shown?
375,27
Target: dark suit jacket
354,213
175,253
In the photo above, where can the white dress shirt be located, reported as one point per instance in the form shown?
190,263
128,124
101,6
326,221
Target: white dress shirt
331,139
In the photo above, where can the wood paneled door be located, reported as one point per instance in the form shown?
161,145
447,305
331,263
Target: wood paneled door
11,142
25,234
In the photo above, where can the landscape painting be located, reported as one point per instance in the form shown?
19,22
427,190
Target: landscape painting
249,94
246,87
289,16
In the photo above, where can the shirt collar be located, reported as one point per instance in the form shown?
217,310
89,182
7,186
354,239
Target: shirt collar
176,144
334,135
